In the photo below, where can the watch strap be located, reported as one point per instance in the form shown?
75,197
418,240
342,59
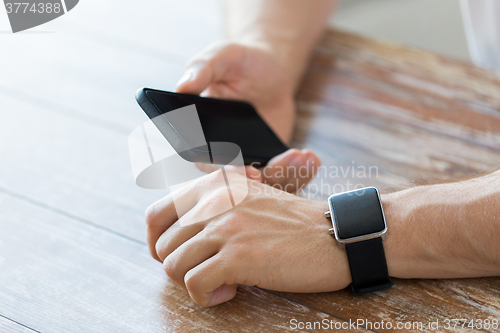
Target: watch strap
368,266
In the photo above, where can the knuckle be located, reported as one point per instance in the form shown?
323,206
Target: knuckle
240,188
211,233
150,215
170,268
166,244
153,253
231,224
215,53
216,177
220,193
160,249
192,282
209,53
201,301
242,254
230,48
217,202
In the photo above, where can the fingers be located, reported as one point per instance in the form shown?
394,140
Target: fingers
194,264
188,255
291,170
223,294
163,213
207,282
253,173
196,78
174,237
206,68
200,200
159,216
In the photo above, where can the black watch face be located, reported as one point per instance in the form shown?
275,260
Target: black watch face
357,213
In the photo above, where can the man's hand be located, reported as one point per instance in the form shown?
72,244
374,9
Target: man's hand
248,72
272,239
253,73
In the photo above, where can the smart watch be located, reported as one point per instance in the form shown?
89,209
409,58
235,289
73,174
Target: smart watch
359,226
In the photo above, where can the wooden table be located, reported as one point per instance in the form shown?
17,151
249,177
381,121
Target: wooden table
72,246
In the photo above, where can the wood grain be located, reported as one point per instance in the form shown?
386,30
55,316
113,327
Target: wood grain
9,326
411,114
76,168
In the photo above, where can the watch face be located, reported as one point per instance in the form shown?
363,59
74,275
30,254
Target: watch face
357,213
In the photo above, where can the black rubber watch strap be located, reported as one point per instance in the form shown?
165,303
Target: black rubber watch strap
368,266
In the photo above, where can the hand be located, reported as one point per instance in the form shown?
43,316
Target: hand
272,240
244,72
290,171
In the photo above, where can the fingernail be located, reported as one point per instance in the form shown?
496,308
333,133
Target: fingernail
311,159
188,76
253,173
297,161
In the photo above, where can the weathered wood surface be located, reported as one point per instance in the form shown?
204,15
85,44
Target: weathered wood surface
9,326
72,252
411,114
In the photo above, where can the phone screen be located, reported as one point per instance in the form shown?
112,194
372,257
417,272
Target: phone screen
222,121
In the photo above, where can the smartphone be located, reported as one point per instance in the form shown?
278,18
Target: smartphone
222,121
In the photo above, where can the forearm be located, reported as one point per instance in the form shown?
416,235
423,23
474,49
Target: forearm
290,28
445,230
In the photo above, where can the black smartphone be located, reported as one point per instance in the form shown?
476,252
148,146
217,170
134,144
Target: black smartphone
222,120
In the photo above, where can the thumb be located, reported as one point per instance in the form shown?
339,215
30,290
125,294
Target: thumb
222,294
196,78
253,173
291,170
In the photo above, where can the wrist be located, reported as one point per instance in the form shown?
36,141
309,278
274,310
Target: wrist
419,243
335,273
414,245
437,231
397,245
